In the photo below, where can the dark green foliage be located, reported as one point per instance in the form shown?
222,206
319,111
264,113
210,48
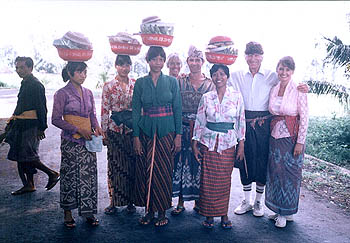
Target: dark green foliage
329,139
2,84
338,91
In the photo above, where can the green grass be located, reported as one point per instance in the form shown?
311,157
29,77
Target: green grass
329,139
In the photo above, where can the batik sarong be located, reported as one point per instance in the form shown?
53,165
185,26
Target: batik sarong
187,170
215,182
161,184
121,168
284,176
78,183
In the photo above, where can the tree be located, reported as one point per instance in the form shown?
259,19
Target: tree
337,55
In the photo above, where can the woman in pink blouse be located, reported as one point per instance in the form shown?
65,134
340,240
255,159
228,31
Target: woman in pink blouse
288,134
116,124
219,127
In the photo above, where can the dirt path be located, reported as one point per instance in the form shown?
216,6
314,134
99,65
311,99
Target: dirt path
37,217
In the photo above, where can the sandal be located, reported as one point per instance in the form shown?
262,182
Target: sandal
161,222
110,210
146,220
70,224
178,210
226,224
209,224
92,221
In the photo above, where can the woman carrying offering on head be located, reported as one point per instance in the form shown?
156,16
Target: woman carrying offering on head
74,113
157,137
117,125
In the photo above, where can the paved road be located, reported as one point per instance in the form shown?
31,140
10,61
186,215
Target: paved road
37,217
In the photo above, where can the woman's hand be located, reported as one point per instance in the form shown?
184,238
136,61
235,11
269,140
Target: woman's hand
240,151
196,152
85,133
137,146
177,143
105,141
99,132
304,88
298,149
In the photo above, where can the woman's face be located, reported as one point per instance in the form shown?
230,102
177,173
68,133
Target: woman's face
156,64
284,73
78,77
123,70
219,78
195,64
174,66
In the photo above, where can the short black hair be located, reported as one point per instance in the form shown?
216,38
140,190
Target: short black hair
216,67
155,51
120,60
27,60
71,67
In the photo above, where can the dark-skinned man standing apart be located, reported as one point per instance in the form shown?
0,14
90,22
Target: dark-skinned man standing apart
28,123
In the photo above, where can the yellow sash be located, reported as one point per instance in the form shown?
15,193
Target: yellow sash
27,115
79,122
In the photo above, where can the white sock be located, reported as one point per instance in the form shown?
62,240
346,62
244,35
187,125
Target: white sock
259,192
247,190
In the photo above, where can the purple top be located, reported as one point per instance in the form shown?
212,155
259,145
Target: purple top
67,101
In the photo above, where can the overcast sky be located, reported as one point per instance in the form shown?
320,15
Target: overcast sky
283,28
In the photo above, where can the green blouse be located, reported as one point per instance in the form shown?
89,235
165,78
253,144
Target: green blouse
147,95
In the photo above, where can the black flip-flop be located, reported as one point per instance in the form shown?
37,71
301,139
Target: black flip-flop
52,183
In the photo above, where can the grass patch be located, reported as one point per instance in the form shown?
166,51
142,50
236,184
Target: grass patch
329,139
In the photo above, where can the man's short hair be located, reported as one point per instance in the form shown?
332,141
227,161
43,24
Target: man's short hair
27,60
254,48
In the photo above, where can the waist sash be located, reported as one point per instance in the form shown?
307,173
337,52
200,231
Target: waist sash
79,122
292,123
27,115
158,111
220,126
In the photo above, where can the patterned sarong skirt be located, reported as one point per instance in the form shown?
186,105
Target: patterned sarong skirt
78,184
121,168
187,170
284,176
161,184
215,181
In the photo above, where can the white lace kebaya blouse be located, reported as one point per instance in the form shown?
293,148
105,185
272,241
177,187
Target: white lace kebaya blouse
292,103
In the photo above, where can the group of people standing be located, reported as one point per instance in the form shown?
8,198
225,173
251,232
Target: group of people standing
180,135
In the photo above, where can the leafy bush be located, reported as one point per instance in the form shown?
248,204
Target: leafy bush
329,139
2,84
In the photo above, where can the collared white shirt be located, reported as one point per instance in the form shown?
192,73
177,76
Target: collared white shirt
255,90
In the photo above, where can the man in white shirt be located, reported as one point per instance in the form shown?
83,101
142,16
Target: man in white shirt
255,84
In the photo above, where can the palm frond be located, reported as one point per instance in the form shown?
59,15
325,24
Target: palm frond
323,88
337,52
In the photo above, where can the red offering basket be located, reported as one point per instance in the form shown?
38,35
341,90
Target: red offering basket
74,55
125,48
157,39
219,58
